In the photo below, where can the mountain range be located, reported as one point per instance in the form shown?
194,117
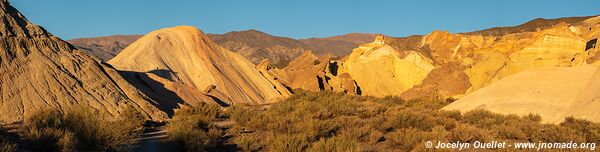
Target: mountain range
252,44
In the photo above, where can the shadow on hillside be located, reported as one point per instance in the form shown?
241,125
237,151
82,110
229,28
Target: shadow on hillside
166,100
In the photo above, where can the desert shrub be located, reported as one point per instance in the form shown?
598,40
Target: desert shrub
250,142
589,130
79,130
288,143
327,121
335,144
240,114
482,118
469,133
556,133
194,128
409,119
405,138
7,144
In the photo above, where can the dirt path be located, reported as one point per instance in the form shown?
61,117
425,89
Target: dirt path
154,139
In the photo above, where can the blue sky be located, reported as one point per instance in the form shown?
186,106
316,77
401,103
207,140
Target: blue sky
291,18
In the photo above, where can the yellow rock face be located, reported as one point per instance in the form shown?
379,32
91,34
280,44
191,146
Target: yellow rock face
555,47
380,70
185,55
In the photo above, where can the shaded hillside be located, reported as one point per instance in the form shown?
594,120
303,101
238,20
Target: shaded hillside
338,45
104,48
531,26
256,46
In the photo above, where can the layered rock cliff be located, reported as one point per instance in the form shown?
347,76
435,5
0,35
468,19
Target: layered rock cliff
41,72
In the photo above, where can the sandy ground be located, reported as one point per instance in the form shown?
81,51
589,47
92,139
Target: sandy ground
154,139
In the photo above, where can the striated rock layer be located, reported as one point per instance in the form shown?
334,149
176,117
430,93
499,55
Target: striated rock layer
185,55
40,71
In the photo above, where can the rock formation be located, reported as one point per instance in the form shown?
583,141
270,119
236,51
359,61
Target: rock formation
381,70
313,73
186,56
452,65
554,93
40,72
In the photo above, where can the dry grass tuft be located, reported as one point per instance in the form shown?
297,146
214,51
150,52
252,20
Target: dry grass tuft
79,130
7,144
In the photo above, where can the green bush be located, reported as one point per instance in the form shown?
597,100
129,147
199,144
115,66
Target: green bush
79,130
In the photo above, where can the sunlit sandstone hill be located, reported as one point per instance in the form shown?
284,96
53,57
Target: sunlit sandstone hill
40,72
186,57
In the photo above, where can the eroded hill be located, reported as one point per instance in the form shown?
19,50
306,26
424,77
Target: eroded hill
40,71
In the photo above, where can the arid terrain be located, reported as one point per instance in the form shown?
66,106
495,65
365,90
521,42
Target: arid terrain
180,89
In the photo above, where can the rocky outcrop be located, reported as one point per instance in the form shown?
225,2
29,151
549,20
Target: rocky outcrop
313,73
307,72
185,55
445,81
267,71
40,71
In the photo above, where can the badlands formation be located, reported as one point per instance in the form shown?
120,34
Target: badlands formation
551,71
185,56
568,89
548,67
40,71
452,65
